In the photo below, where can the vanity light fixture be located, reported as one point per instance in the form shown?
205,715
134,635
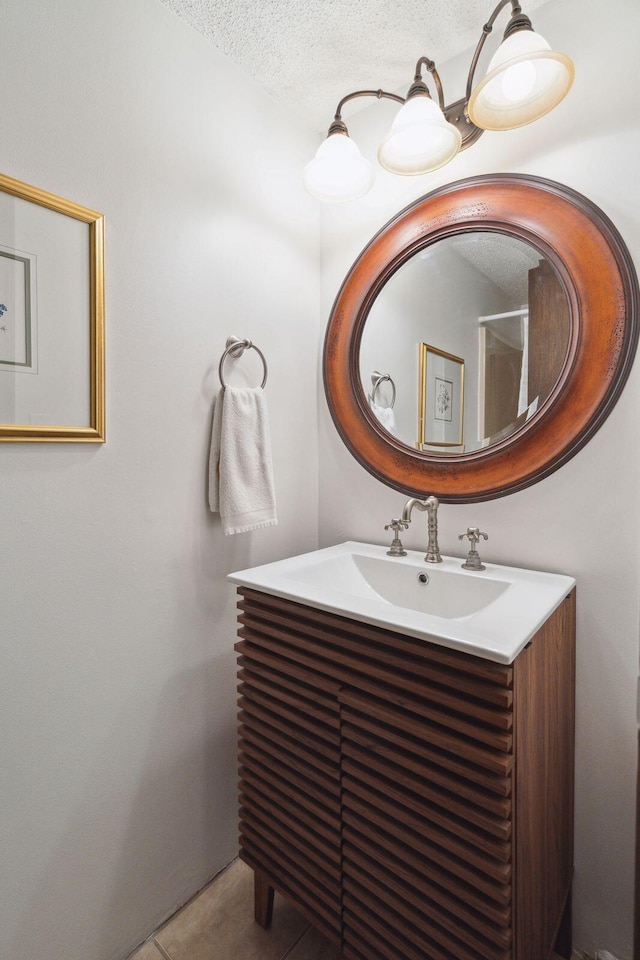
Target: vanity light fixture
525,79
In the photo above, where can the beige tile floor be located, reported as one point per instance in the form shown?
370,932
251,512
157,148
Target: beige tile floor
218,925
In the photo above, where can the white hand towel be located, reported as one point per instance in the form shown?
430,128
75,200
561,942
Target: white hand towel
240,470
386,416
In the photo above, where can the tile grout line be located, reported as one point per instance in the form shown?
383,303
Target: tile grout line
172,916
295,943
162,950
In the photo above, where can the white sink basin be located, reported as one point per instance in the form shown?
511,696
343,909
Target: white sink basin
491,613
379,578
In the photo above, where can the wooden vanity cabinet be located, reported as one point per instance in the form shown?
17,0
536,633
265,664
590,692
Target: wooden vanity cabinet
414,802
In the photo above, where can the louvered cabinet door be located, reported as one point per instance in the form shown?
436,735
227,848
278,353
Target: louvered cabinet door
289,753
413,801
427,817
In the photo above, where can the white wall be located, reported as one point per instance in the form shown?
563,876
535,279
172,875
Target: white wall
583,520
117,627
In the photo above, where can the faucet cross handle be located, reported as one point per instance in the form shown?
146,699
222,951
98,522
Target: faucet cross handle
473,534
396,549
473,561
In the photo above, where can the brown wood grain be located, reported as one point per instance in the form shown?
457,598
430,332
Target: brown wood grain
425,764
263,899
423,789
407,827
408,654
268,738
549,329
369,858
544,782
403,906
290,793
457,874
281,688
324,852
298,892
477,762
442,760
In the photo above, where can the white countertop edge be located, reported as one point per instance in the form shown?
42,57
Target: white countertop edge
476,635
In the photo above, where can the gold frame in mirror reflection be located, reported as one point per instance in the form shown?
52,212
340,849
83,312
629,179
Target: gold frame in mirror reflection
427,410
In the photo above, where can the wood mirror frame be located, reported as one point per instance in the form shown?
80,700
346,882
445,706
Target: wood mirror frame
600,282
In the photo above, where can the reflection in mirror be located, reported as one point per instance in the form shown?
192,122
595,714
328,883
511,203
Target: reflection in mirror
470,334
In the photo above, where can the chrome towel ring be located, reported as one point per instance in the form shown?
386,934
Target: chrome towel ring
377,379
235,348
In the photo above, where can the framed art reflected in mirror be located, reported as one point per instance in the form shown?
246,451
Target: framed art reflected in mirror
51,317
440,399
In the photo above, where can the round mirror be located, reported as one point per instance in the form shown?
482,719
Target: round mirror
481,338
465,342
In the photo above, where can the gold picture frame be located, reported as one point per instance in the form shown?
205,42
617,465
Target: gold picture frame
51,318
440,400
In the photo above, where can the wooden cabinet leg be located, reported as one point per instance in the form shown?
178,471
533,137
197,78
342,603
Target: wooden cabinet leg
263,899
563,945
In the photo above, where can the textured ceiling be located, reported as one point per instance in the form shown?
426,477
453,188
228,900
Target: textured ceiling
309,54
505,260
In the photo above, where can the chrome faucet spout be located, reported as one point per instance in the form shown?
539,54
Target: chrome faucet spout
431,505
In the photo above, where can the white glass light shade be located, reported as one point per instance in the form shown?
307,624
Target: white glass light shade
338,171
420,139
525,80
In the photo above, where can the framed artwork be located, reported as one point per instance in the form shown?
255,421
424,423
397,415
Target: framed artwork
440,399
52,381
18,333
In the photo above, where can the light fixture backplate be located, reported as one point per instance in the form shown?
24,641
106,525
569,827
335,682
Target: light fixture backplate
456,114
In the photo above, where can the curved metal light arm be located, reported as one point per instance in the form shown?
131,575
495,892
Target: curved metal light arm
431,67
379,94
518,21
